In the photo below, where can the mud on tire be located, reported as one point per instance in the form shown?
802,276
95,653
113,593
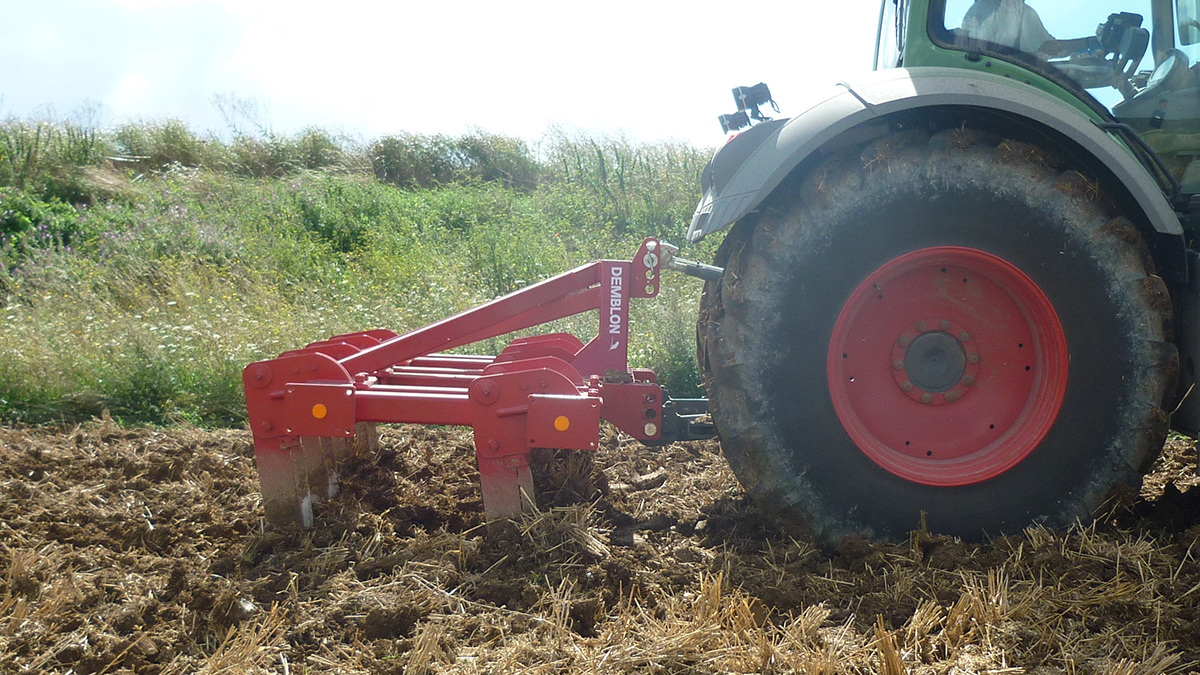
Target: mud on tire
976,246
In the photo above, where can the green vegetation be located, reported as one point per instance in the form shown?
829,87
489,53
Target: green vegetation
143,267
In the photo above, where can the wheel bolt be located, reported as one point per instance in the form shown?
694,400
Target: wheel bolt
898,365
907,386
926,398
964,336
945,324
951,396
973,358
968,381
921,326
903,341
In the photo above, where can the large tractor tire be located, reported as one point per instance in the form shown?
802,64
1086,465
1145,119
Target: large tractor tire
937,324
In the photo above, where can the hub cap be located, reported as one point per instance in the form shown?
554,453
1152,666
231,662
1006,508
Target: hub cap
935,361
947,366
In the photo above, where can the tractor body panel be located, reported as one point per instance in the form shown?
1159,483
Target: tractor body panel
743,174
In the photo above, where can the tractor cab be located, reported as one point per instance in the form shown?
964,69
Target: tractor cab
1129,62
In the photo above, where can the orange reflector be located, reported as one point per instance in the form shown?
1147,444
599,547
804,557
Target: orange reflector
320,411
562,423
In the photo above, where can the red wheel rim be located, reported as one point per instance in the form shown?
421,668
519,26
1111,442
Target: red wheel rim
947,366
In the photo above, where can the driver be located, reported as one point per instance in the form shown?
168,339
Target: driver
1014,24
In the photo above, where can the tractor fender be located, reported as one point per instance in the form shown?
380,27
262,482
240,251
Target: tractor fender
743,173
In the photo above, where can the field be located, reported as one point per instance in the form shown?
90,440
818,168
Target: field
142,267
144,551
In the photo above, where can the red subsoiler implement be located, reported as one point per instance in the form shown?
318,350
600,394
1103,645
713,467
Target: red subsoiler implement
546,391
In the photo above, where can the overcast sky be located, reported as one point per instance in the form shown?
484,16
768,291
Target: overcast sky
651,70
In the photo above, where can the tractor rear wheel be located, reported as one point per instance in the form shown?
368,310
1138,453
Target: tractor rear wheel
937,326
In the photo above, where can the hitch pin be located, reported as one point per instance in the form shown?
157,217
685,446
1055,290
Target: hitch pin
691,268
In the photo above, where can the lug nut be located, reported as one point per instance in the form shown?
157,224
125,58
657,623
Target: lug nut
898,365
951,396
903,341
921,326
926,398
907,386
973,358
968,381
945,324
964,336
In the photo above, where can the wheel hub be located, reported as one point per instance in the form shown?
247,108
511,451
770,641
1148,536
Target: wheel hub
938,366
935,361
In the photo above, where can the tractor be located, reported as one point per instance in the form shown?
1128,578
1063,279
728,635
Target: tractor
962,290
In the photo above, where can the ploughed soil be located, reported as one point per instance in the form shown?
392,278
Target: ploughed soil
144,551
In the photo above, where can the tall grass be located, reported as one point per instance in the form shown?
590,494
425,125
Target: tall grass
418,161
629,187
178,259
32,151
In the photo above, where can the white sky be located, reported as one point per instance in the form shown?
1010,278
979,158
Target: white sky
651,70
